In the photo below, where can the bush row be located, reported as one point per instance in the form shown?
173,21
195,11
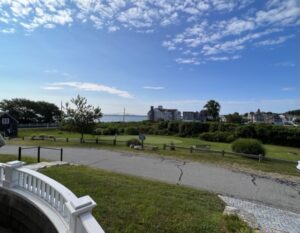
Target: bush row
211,131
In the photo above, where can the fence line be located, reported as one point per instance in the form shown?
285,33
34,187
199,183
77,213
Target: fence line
192,149
39,152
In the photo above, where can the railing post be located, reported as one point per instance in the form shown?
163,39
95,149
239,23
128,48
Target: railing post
11,175
223,153
38,154
191,149
20,154
61,154
97,141
78,207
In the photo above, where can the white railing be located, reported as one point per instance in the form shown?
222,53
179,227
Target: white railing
75,212
1,174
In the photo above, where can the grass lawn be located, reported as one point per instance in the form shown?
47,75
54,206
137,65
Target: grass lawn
129,204
5,158
278,152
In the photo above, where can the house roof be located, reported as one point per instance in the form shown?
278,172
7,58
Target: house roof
10,116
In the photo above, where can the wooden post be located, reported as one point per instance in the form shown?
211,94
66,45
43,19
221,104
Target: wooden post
20,154
223,153
67,139
97,141
38,154
191,149
61,154
259,158
164,146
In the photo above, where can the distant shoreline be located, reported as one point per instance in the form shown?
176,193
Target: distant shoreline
120,118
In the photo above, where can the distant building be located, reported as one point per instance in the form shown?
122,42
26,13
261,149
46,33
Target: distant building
160,113
8,125
256,117
195,116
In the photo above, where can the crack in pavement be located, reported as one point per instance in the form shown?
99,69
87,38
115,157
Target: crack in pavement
181,171
161,160
253,179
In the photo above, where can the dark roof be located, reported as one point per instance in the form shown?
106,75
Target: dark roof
10,116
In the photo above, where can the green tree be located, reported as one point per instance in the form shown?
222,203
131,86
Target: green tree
82,116
234,118
213,109
28,111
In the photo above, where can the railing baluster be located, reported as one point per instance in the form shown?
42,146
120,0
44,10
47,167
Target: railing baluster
34,185
39,187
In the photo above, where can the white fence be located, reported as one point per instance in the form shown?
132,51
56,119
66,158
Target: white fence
74,212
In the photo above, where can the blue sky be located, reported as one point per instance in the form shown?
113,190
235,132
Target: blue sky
134,54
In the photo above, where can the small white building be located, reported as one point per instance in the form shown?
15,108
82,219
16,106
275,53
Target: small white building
160,113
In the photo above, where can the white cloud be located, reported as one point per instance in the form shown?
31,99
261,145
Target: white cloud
8,30
51,88
52,71
154,88
94,87
203,35
285,64
191,60
288,89
276,41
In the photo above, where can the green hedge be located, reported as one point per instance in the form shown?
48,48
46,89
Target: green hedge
222,132
218,136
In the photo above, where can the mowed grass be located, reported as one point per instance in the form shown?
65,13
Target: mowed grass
279,152
231,161
6,158
130,204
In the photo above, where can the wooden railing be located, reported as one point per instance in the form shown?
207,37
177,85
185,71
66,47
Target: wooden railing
75,212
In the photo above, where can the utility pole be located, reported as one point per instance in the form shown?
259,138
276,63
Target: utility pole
124,115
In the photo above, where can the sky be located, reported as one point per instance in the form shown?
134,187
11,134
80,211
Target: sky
133,54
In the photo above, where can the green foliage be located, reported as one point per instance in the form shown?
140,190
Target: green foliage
294,112
246,131
82,117
133,141
132,131
248,146
28,111
213,108
218,136
234,118
173,127
235,225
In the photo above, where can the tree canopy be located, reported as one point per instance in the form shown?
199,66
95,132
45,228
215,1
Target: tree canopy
81,115
28,111
234,118
213,109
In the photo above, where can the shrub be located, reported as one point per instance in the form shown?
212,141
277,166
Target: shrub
248,146
132,131
109,131
218,136
98,131
133,141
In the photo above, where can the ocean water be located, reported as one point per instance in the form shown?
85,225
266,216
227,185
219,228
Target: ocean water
117,118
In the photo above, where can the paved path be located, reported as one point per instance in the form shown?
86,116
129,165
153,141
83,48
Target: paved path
274,192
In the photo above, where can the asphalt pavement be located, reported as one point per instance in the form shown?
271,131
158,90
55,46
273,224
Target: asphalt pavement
269,191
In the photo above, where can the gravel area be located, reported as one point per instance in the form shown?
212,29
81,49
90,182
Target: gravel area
269,219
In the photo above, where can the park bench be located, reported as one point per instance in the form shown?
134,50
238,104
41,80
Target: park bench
203,147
